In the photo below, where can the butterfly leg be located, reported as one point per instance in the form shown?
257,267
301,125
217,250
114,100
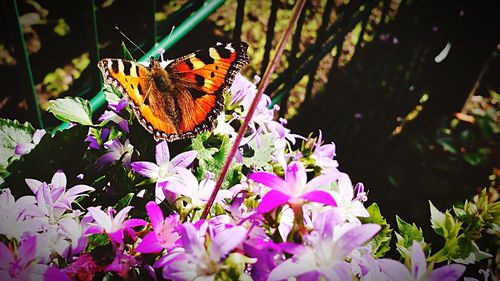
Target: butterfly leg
146,96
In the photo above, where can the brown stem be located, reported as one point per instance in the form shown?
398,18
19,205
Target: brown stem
299,5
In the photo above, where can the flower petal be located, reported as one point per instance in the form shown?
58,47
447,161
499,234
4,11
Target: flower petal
23,148
59,179
418,262
339,271
147,169
120,217
354,237
101,218
33,184
270,180
326,221
162,153
319,196
271,200
191,240
77,189
54,273
135,222
149,244
6,256
288,269
184,159
295,177
225,241
394,270
450,272
322,180
27,250
155,214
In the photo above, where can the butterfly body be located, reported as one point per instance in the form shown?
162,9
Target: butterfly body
183,98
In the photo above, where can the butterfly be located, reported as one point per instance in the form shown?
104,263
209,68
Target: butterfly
183,98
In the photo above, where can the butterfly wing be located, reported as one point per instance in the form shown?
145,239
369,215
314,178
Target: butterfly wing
201,78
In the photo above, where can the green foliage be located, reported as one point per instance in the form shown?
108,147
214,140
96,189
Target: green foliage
72,109
460,231
66,149
12,133
126,53
97,240
233,268
380,244
124,202
463,230
261,157
408,233
212,152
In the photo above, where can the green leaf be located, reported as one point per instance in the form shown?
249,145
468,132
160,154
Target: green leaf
262,152
380,244
12,133
124,202
72,109
126,53
407,233
111,94
204,153
437,220
212,153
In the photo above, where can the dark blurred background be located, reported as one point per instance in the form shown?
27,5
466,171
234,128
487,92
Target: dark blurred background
407,90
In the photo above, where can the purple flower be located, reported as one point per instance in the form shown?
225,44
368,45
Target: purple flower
199,261
116,151
121,264
294,190
84,268
323,155
164,169
164,234
25,148
199,193
418,271
351,206
115,118
53,199
103,137
325,249
113,225
267,253
13,222
22,265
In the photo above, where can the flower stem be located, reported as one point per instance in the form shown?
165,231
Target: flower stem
299,5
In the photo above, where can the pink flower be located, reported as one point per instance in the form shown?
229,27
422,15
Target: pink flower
164,234
83,269
164,169
294,189
113,226
325,250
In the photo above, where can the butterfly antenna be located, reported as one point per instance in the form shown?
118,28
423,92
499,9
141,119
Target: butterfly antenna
129,40
162,51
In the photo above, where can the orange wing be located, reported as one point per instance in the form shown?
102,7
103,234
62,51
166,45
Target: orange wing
205,75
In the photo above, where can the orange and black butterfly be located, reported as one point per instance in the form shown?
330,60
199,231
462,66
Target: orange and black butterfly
183,98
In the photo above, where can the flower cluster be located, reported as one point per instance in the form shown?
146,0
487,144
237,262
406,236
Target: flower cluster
282,212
